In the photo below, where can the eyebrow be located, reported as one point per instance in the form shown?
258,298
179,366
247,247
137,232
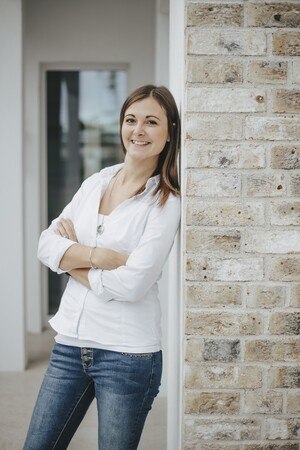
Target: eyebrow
151,115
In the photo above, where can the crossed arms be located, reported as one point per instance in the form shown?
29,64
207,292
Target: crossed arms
76,260
119,277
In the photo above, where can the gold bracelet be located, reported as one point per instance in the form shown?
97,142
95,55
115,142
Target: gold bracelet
90,258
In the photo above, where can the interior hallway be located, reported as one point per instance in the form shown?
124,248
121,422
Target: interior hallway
18,392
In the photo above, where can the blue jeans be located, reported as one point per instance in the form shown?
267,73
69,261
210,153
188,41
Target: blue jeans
125,385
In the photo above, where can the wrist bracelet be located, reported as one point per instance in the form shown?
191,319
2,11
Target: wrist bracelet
90,258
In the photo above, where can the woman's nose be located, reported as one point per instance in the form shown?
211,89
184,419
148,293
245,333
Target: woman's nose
139,129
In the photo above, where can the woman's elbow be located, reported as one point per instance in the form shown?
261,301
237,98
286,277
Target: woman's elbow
40,250
43,253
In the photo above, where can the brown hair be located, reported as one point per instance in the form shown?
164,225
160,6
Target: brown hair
167,162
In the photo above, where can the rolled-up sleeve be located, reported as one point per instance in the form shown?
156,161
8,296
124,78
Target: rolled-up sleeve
144,265
52,246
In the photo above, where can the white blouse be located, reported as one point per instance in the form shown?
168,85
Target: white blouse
121,310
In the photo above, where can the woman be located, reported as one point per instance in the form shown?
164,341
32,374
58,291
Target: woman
113,239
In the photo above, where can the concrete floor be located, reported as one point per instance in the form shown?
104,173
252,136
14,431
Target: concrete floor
18,392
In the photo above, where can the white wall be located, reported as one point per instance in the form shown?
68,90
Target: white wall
162,43
69,32
176,308
162,78
12,323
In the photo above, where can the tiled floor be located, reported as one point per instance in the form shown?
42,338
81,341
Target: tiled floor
18,392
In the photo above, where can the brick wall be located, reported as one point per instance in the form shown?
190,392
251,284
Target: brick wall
242,236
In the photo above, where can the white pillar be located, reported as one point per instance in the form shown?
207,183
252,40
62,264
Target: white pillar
176,271
162,42
12,316
162,78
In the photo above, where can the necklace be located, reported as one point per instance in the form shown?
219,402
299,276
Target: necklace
100,227
114,182
131,195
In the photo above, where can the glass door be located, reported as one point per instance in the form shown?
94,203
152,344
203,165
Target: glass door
82,137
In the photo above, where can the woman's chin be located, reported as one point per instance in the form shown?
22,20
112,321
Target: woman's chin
140,156
137,155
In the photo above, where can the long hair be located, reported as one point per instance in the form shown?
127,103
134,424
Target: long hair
167,161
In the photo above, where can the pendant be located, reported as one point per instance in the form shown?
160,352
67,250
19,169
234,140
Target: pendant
100,229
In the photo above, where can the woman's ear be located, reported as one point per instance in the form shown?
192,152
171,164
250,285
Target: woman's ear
174,124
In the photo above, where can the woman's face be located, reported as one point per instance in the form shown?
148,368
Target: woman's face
145,129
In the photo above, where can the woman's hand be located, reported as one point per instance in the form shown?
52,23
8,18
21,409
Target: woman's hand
65,228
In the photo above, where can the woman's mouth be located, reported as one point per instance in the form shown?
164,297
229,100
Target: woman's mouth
140,142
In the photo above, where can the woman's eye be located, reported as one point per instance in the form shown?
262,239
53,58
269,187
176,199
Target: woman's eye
131,121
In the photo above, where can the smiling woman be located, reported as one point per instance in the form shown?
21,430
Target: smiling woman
108,342
154,110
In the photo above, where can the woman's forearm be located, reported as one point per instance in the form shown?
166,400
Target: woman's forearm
78,257
104,258
81,275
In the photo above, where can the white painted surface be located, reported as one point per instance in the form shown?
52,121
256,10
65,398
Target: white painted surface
162,78
162,43
72,33
176,274
12,320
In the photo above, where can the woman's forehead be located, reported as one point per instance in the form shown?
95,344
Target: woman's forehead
146,107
